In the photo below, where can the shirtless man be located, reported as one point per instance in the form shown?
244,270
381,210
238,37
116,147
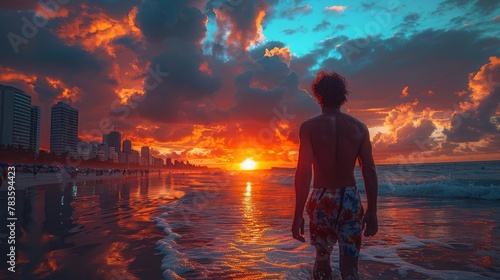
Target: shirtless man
331,143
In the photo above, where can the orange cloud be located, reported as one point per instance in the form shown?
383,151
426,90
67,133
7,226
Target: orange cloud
401,115
337,9
68,93
482,84
97,31
283,53
258,27
404,92
8,75
406,132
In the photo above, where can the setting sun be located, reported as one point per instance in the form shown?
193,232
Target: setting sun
248,164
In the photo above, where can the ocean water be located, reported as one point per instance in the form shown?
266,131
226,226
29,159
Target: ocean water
437,221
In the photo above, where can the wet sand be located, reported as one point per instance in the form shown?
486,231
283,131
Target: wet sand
88,229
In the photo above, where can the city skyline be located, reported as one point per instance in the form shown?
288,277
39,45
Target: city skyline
217,84
20,128
64,137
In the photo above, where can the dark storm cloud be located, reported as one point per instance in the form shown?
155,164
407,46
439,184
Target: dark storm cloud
193,81
18,4
182,96
481,7
47,93
114,8
487,6
254,102
130,43
43,51
176,18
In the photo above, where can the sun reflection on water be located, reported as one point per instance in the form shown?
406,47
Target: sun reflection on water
249,189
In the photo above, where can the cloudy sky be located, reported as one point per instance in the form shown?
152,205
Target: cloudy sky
215,82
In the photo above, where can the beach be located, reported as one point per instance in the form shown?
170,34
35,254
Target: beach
435,222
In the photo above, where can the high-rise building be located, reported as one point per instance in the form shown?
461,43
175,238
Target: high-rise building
158,162
105,139
34,142
134,157
127,146
115,140
145,152
88,150
63,129
15,116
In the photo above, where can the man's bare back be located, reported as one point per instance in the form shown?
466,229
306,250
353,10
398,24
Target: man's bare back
333,167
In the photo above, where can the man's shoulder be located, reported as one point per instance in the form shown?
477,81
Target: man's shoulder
353,120
309,125
311,121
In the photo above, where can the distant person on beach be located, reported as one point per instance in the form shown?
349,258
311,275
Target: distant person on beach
330,144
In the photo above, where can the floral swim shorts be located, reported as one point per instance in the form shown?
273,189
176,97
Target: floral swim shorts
329,223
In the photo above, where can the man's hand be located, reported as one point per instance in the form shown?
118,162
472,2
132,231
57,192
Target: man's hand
298,228
370,223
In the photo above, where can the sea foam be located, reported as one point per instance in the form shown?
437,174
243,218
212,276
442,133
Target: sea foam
439,186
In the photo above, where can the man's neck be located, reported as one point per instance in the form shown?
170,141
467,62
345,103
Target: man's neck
330,111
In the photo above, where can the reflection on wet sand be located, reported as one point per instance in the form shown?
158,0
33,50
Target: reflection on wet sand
91,230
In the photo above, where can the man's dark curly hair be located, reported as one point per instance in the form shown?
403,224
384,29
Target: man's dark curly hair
330,90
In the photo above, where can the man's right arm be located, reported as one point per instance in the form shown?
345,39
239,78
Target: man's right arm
303,176
369,172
